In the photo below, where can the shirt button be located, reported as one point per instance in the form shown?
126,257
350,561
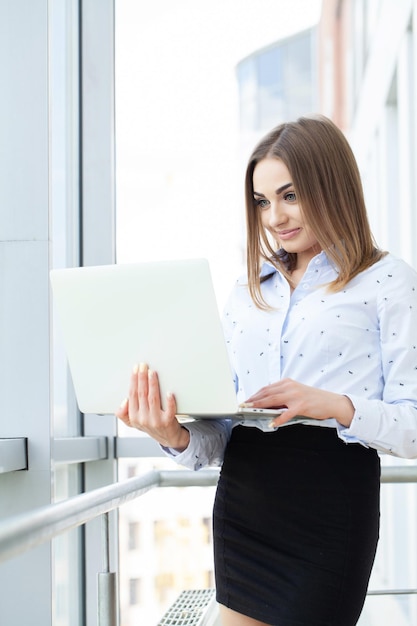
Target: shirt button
306,285
317,261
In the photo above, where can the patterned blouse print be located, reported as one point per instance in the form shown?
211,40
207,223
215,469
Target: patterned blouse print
361,342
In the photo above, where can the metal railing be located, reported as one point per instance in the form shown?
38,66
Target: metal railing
26,531
23,532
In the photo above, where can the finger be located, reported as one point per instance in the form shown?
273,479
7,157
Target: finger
142,387
154,394
122,411
268,402
285,417
264,394
133,391
171,405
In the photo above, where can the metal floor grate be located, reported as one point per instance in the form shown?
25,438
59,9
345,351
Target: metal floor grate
191,609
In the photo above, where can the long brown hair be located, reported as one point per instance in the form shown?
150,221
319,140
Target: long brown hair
329,190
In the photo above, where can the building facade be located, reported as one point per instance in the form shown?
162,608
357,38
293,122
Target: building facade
367,80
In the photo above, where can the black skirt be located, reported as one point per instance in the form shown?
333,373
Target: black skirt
296,523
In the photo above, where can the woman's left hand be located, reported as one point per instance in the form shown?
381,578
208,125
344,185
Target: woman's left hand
303,400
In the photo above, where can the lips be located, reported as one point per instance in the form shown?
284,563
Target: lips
288,234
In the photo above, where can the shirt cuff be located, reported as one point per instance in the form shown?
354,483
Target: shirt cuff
365,424
176,454
208,439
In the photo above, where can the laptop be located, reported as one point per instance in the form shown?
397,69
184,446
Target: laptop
161,313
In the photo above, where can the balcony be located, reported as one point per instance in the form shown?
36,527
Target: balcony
22,533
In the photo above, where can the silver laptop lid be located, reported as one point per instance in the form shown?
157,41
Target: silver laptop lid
162,313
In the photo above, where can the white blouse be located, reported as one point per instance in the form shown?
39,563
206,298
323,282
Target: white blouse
360,342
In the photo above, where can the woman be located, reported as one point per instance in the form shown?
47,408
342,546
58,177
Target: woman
324,324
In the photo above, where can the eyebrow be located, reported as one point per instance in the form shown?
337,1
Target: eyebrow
277,191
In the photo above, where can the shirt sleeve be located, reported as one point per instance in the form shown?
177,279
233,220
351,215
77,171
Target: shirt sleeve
208,439
390,424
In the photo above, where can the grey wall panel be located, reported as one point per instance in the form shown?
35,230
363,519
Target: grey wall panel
24,120
26,582
24,357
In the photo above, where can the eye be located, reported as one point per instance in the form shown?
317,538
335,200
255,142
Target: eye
261,203
290,196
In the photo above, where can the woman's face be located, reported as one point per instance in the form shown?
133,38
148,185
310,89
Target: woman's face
275,197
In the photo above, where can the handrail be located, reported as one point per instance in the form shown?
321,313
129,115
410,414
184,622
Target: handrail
391,592
28,530
399,474
23,532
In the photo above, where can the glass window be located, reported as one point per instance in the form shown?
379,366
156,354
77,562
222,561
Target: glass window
134,591
300,75
270,68
133,540
278,83
246,76
271,87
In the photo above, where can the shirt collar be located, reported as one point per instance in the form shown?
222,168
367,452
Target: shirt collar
268,268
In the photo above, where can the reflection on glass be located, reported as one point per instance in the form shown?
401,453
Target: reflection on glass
278,83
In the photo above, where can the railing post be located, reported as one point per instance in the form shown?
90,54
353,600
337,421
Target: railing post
107,582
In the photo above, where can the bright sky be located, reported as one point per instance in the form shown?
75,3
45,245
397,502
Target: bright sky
179,171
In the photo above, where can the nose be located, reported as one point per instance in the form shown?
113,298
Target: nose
276,215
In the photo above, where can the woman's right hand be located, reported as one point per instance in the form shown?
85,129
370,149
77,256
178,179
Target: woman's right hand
142,410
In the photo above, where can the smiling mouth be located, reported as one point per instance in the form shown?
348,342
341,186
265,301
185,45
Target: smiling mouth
287,234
